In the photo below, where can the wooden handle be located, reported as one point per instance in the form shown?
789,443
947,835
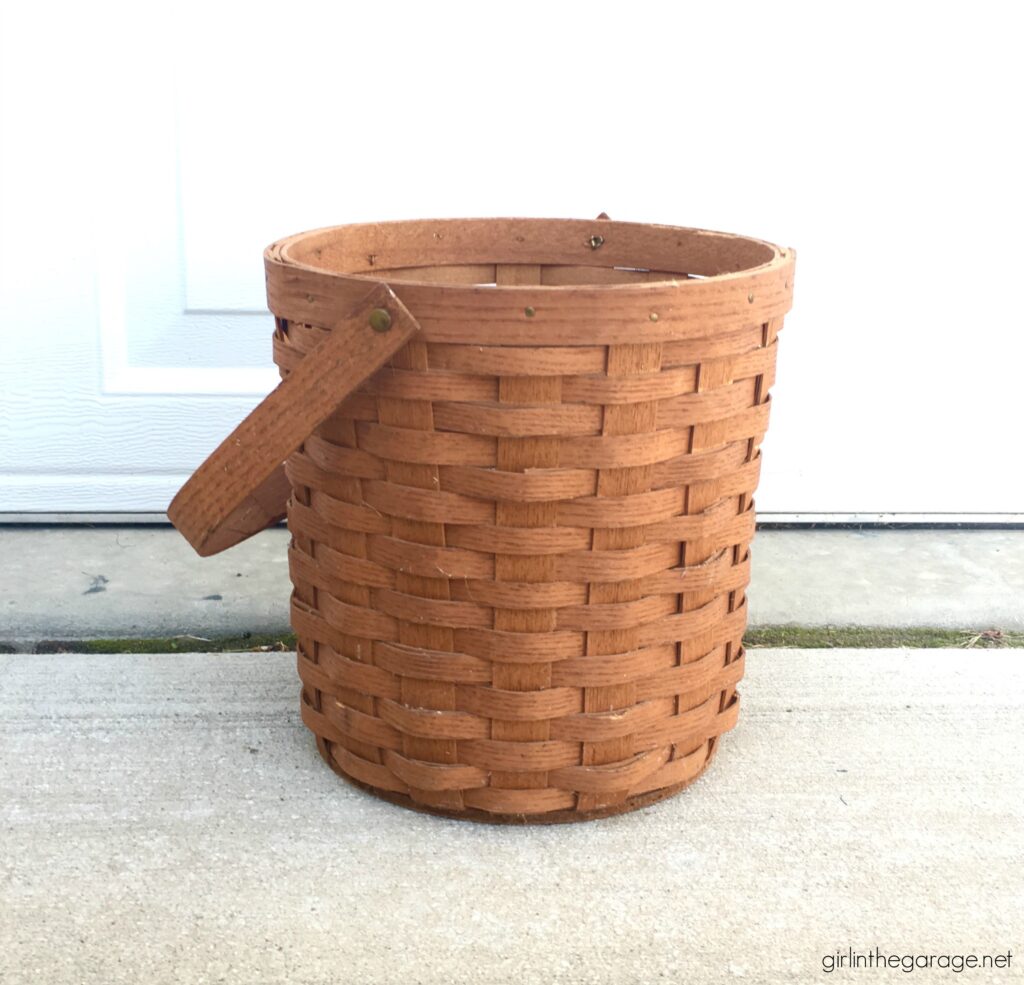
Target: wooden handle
241,488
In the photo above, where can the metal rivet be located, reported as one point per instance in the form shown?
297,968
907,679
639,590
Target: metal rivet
750,298
595,241
653,316
380,320
529,312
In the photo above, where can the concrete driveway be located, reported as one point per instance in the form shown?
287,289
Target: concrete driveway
166,819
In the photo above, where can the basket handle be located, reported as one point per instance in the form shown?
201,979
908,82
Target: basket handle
241,488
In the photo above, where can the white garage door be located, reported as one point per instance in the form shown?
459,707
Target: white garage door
147,160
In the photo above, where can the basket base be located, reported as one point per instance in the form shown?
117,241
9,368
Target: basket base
486,817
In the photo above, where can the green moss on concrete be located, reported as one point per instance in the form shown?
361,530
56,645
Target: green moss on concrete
171,644
800,637
877,637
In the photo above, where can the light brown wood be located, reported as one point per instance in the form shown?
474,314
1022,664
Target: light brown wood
238,489
641,360
520,547
738,281
522,451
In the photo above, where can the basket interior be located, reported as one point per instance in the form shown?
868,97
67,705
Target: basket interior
553,253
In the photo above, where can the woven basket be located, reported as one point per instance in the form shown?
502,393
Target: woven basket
520,457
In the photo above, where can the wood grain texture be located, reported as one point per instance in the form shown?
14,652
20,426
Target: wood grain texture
240,489
641,360
741,281
520,546
520,453
414,629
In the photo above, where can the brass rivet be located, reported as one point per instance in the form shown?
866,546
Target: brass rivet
595,241
380,320
750,298
653,316
529,312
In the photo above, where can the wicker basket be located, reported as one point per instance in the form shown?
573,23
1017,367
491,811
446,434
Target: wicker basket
520,458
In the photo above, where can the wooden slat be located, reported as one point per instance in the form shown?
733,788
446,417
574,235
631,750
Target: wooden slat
619,419
418,415
520,455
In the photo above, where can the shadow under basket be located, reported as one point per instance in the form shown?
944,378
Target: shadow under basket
517,458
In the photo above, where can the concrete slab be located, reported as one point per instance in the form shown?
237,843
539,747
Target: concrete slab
950,579
70,582
82,583
167,820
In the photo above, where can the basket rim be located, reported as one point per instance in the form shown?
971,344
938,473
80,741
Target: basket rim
740,280
286,250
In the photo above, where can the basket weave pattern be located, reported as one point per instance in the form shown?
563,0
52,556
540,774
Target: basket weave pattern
519,570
